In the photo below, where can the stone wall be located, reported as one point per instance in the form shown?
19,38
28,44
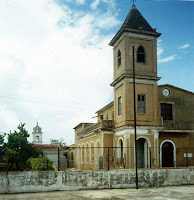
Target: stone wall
20,182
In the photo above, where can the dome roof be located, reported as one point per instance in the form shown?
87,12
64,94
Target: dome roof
37,129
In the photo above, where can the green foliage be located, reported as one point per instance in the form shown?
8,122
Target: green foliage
2,153
2,159
60,142
2,139
20,150
40,164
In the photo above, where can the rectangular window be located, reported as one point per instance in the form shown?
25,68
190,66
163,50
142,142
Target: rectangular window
166,111
101,117
119,106
141,103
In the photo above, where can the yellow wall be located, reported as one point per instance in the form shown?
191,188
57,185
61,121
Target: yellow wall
119,70
120,92
108,142
87,163
108,111
105,140
182,105
126,92
149,68
151,115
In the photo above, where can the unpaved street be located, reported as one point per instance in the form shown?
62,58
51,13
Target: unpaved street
166,193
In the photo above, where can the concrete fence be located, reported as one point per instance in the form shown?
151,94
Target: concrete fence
20,182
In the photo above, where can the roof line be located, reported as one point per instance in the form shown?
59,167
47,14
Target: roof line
177,88
83,123
106,106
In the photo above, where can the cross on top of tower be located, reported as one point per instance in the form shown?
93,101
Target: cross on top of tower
133,2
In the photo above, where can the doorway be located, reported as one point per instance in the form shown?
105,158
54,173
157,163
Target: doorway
120,150
143,156
168,157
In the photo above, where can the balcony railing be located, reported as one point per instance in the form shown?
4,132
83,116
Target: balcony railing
103,125
177,125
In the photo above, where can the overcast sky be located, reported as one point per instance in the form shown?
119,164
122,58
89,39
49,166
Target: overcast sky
56,65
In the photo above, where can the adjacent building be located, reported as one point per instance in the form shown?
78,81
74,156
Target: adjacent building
62,157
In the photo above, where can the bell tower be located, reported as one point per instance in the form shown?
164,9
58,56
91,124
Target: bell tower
135,32
37,134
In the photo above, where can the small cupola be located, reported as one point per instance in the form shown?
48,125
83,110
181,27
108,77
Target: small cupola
37,129
37,134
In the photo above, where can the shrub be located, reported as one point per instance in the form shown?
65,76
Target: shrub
40,164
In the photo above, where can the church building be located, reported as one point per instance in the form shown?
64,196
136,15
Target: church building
164,113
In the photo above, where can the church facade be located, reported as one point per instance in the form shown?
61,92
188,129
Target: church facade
164,113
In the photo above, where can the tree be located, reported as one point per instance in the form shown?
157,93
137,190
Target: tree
2,139
2,153
60,142
20,150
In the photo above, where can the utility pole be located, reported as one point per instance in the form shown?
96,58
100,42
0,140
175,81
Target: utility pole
134,98
58,158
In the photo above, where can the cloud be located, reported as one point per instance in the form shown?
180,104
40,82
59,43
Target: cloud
110,4
51,66
167,59
95,4
80,1
185,46
160,49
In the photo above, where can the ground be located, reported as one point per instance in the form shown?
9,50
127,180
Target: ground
166,193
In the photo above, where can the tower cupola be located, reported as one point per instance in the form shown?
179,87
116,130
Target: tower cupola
37,134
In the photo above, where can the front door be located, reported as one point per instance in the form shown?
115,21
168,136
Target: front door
140,153
167,154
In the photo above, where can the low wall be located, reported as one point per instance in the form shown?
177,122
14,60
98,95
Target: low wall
19,182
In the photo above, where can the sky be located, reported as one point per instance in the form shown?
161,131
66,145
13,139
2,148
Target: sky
56,65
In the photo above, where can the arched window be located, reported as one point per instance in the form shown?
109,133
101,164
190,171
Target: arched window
83,159
140,54
118,58
80,153
97,151
92,152
120,149
37,138
88,153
